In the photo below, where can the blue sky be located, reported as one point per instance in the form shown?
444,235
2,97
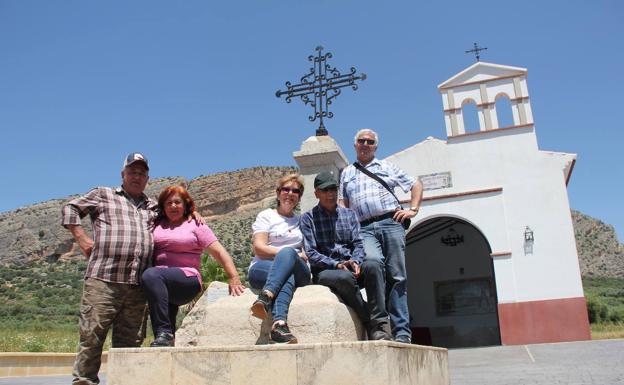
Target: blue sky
192,84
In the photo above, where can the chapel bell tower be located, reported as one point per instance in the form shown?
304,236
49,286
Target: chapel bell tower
484,84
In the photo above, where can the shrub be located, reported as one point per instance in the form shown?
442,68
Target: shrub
616,317
596,310
211,270
17,309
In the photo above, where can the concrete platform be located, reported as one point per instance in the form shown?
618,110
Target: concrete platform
579,363
351,363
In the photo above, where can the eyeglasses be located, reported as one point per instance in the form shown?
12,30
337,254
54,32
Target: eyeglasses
370,142
287,190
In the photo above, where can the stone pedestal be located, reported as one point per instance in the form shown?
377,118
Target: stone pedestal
344,363
317,153
315,315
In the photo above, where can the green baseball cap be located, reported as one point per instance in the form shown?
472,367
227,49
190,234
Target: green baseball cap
325,179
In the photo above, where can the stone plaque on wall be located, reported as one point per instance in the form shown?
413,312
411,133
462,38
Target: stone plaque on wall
436,181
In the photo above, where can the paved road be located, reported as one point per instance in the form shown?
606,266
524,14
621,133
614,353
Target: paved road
572,363
578,363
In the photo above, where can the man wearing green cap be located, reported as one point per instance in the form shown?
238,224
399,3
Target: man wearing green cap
332,242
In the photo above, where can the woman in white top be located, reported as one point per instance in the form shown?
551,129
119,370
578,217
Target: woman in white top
279,265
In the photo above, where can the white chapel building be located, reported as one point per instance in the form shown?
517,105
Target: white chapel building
491,256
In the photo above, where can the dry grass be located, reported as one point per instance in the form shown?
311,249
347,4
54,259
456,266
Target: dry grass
58,341
607,331
61,341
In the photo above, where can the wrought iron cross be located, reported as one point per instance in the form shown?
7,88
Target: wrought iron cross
477,51
320,87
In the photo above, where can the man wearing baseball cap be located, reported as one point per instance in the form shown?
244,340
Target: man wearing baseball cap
121,248
332,242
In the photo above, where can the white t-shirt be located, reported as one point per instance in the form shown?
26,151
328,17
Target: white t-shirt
283,231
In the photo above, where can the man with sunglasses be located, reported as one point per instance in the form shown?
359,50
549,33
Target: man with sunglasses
332,242
381,217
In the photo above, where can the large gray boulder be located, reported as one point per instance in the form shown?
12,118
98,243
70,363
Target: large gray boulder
315,315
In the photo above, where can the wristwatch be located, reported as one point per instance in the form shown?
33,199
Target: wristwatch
414,209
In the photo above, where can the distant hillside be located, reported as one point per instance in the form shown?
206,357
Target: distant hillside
230,201
600,252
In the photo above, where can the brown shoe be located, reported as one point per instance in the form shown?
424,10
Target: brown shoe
261,306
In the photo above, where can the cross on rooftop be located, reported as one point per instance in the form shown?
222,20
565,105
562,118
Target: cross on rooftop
320,87
477,51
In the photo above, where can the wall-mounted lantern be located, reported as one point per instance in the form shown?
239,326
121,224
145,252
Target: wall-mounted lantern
528,240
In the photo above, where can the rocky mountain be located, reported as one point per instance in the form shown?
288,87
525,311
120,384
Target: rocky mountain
600,253
230,201
34,232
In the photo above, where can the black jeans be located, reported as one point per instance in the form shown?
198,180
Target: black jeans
347,287
167,289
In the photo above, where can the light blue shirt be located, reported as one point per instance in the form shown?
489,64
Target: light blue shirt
367,197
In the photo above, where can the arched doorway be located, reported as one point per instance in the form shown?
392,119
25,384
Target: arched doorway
451,285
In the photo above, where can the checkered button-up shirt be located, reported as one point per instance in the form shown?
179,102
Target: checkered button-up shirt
122,235
367,197
330,238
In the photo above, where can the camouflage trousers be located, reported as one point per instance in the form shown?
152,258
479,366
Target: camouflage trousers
104,305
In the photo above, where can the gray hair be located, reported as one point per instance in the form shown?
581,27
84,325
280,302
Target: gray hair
366,131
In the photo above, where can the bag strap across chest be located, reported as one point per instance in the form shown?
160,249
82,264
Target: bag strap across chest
377,178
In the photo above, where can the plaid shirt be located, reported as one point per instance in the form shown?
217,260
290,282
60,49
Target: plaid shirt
329,238
122,235
367,197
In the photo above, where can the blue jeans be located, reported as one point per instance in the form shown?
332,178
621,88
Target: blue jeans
281,276
384,241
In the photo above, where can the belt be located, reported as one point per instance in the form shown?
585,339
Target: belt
377,218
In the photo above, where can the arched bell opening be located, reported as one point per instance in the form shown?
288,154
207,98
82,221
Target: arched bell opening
470,115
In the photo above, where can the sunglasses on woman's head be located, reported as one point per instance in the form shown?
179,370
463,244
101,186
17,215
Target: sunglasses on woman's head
286,190
370,142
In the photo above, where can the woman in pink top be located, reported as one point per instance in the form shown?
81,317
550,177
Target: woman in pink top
175,279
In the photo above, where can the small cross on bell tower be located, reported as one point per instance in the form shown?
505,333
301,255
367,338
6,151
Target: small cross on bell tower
477,51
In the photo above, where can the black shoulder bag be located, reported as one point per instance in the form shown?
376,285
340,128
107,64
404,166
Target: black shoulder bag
407,221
